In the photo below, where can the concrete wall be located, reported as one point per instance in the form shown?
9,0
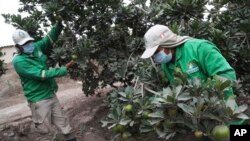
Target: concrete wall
8,52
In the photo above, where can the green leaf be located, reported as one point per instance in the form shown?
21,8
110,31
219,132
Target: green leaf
231,103
146,129
122,94
111,116
117,112
242,116
123,99
131,123
211,116
105,122
241,109
158,100
184,97
139,112
188,124
196,82
156,115
154,121
171,135
124,121
160,133
129,90
225,85
113,125
186,108
167,92
178,91
170,99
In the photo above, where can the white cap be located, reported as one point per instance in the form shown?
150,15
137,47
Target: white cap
160,35
20,37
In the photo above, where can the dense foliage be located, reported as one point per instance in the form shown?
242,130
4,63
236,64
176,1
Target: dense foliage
106,39
107,35
182,108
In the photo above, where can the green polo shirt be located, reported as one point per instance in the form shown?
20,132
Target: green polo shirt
200,59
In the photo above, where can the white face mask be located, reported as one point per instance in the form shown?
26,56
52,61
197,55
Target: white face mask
162,58
28,48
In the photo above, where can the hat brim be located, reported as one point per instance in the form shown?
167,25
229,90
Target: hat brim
149,52
25,40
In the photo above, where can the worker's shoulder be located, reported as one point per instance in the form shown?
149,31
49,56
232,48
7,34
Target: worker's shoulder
197,43
17,58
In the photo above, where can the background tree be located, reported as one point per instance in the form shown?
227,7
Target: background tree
106,40
106,36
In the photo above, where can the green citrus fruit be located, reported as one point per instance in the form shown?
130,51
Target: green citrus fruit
120,127
169,99
198,134
145,114
58,17
128,108
74,56
169,124
125,135
172,112
221,132
114,129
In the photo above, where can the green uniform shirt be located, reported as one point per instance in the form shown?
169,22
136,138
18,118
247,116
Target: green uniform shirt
36,78
200,59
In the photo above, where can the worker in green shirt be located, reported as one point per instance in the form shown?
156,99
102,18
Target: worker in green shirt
197,58
38,81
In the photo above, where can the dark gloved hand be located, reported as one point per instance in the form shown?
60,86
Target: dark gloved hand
70,64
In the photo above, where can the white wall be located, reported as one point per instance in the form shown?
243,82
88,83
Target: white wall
8,53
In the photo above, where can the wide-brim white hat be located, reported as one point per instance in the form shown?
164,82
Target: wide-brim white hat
161,35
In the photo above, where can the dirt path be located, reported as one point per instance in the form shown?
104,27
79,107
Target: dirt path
84,112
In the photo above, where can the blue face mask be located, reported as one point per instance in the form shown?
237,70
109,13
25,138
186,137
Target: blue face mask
162,58
28,48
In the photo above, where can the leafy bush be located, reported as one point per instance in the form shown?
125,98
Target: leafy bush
176,109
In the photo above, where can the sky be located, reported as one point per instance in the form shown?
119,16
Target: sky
6,30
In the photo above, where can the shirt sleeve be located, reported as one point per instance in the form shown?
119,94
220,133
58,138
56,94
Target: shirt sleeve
24,69
214,64
51,37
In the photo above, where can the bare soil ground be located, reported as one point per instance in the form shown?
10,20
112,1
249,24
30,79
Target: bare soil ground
84,112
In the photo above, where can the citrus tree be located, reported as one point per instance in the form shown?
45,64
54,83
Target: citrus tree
100,48
105,38
104,35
